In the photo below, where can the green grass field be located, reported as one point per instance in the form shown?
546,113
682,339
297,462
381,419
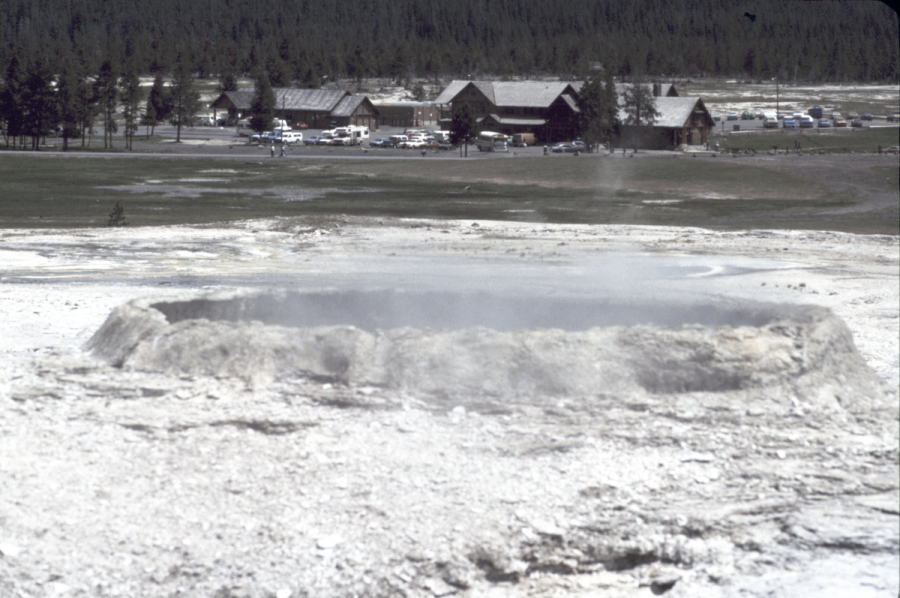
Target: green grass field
827,140
56,191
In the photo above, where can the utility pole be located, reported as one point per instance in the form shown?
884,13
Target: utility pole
776,98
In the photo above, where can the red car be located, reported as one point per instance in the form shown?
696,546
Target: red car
301,126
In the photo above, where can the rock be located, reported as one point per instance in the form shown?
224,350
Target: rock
661,584
9,550
438,587
328,542
692,347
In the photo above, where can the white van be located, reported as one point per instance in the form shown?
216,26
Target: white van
244,130
289,137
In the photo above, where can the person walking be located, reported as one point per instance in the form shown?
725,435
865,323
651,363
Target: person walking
272,150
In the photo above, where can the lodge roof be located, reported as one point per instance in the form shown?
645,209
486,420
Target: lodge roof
674,112
520,94
287,98
347,105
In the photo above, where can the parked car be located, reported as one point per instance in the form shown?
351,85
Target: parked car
840,122
894,149
806,122
314,140
747,115
866,116
413,143
789,123
816,112
446,146
856,122
824,123
579,145
381,142
891,117
302,126
560,148
852,115
731,116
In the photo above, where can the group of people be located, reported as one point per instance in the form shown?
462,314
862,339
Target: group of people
283,151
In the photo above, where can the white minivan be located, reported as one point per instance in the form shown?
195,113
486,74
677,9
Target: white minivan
289,137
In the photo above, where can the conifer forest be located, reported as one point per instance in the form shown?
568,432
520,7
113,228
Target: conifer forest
306,42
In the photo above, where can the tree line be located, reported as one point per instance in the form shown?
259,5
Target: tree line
306,42
37,101
69,65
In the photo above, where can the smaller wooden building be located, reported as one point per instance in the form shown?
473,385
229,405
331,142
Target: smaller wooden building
681,121
317,108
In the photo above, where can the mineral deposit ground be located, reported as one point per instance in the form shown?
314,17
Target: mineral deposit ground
353,406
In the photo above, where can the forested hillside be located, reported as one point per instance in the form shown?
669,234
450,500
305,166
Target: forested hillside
304,40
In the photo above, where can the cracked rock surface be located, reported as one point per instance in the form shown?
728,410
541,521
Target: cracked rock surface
126,472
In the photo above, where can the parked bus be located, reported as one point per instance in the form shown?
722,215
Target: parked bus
488,141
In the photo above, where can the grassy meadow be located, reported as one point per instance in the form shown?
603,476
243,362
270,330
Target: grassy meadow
58,191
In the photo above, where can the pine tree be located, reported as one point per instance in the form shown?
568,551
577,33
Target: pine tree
70,99
185,98
39,102
228,82
131,94
599,116
639,105
463,127
117,216
262,106
159,105
86,103
106,95
11,107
